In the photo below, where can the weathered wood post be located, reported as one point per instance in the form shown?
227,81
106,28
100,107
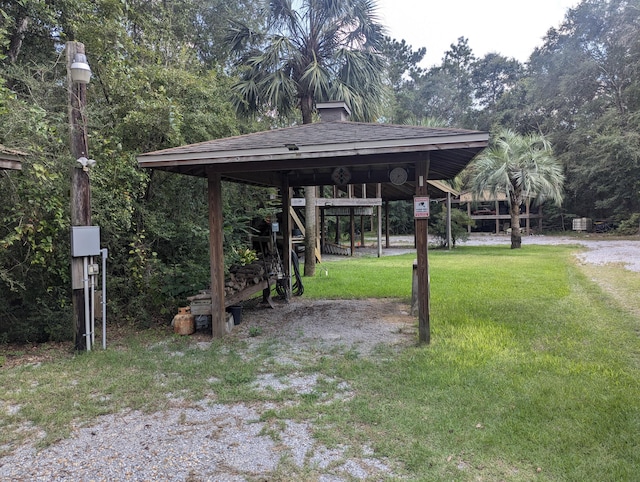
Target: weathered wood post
379,208
449,235
80,189
216,255
422,249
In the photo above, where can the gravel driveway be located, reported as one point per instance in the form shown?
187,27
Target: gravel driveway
598,252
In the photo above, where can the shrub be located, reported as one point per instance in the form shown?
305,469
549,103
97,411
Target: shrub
630,226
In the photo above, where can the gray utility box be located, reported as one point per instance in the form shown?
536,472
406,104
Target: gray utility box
85,241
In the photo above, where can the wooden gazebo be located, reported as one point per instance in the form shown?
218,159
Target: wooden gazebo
326,153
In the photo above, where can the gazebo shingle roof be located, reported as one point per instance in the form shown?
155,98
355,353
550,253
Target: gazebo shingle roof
309,153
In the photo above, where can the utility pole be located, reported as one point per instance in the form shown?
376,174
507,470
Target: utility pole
80,189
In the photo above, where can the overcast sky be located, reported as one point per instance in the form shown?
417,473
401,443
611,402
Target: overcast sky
512,28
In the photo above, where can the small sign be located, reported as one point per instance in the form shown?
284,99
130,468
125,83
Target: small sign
420,207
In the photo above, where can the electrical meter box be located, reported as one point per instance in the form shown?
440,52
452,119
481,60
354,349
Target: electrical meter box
85,241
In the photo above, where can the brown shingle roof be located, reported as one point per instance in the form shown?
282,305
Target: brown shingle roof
309,153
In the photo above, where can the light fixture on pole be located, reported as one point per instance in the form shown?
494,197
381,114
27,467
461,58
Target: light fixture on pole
80,70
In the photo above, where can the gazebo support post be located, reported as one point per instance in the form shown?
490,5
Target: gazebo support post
379,208
216,255
422,249
387,244
286,234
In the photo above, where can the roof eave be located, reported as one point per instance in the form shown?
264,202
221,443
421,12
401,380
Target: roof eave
396,146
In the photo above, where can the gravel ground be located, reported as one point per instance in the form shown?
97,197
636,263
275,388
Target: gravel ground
598,252
214,442
210,441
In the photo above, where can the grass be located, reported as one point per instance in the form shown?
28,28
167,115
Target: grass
533,372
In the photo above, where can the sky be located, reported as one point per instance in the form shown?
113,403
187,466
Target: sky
512,28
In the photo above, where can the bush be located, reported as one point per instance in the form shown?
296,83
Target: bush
460,221
630,226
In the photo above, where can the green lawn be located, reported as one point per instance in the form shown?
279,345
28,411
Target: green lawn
533,372
531,366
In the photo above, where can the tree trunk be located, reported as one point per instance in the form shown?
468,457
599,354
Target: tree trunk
16,39
306,107
516,237
310,231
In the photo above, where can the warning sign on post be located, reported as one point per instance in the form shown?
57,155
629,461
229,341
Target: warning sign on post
420,207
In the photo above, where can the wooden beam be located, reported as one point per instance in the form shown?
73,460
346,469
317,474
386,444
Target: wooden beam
10,164
297,220
216,256
422,247
328,202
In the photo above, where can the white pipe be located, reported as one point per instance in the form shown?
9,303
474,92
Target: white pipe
104,253
87,322
92,284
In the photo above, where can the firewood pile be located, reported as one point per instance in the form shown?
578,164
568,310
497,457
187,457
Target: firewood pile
241,277
242,282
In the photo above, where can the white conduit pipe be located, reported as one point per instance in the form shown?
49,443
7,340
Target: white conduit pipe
87,321
104,253
93,305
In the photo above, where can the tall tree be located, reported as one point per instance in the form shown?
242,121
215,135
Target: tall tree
403,74
310,51
523,167
492,76
582,88
445,91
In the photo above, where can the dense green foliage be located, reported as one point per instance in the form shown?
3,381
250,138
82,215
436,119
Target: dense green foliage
150,90
163,76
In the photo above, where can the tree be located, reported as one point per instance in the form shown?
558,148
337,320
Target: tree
582,88
317,50
492,76
149,90
403,72
523,167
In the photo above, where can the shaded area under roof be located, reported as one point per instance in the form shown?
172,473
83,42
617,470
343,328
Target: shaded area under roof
307,155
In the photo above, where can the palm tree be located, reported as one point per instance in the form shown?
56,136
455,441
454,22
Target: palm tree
523,167
319,50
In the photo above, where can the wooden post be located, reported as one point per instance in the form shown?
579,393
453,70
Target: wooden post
310,230
449,235
528,220
323,227
379,208
80,189
286,234
497,207
387,244
216,256
422,249
352,231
